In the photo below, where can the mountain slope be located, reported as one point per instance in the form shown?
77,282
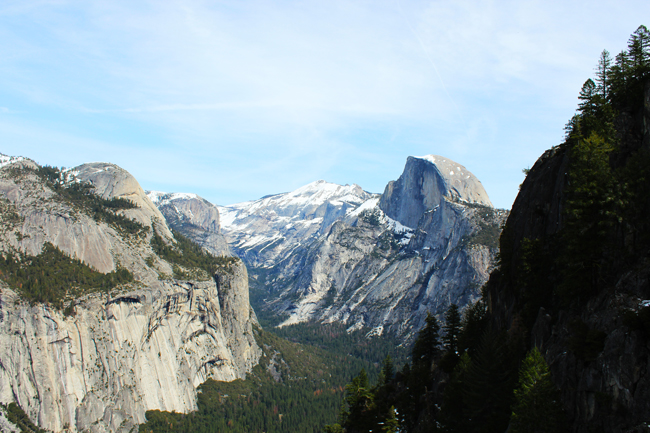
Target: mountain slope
194,217
575,271
120,346
265,231
337,254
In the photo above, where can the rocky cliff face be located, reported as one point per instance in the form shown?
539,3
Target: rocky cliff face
142,346
423,185
194,217
597,345
378,262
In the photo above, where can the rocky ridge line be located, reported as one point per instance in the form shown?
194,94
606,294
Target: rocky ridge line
146,345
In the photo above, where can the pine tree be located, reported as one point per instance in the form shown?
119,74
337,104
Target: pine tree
359,401
427,345
391,424
590,214
488,387
639,52
453,414
602,74
588,93
474,322
452,329
387,371
536,408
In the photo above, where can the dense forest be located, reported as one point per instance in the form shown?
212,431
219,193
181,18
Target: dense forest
295,388
564,247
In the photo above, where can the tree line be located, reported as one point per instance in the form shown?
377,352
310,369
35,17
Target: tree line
475,376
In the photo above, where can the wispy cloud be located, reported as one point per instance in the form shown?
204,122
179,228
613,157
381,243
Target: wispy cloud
255,86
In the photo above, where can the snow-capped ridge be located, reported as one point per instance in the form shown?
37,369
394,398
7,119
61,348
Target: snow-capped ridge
284,220
160,198
6,160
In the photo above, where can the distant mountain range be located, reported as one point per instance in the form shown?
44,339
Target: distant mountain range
108,296
335,253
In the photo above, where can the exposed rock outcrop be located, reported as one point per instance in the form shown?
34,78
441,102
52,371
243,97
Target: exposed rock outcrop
367,261
193,217
143,346
597,344
423,185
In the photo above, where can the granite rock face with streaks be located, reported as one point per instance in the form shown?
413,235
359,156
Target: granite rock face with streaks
193,217
384,261
146,345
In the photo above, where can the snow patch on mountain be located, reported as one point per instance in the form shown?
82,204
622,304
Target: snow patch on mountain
160,198
6,160
267,229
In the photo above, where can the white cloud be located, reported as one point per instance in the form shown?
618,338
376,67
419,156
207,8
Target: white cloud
258,87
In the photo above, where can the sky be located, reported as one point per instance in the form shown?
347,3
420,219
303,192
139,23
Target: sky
234,100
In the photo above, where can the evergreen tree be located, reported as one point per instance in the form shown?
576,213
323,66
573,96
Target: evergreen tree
591,212
488,387
619,77
453,414
359,401
588,97
387,371
474,323
427,344
639,52
536,408
602,74
391,424
452,329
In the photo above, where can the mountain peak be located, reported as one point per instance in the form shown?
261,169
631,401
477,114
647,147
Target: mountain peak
459,182
425,182
284,220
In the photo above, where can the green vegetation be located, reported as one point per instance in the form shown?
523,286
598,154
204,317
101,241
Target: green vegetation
305,397
9,216
334,338
488,230
80,196
186,257
604,225
19,418
476,399
371,217
487,234
605,199
537,407
52,277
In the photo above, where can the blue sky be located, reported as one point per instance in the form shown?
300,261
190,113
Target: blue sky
234,100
